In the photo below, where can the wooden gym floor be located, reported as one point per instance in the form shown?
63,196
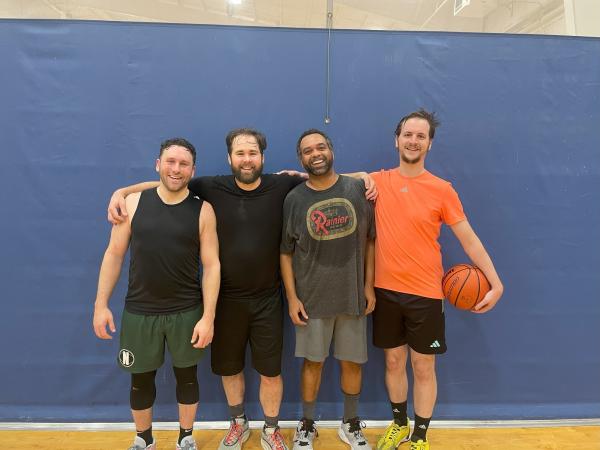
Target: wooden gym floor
580,438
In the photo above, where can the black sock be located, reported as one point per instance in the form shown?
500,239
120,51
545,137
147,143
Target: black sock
272,422
184,433
308,409
146,436
420,431
399,410
350,406
237,411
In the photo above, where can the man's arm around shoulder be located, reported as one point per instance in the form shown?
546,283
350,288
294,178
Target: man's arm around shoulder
117,207
370,185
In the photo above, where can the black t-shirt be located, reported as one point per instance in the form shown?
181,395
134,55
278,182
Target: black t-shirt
249,228
165,256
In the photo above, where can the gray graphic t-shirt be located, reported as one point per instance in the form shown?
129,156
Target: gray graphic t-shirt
327,232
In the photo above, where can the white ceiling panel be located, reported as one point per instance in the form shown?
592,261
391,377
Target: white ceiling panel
513,16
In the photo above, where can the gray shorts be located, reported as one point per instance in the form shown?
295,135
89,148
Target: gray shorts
349,335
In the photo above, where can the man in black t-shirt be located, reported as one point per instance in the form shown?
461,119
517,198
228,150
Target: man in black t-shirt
248,208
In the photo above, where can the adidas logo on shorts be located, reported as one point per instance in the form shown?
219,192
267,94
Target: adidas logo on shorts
435,344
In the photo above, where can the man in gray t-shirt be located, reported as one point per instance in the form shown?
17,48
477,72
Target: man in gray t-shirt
327,266
326,232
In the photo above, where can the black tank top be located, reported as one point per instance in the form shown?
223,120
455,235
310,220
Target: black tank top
164,268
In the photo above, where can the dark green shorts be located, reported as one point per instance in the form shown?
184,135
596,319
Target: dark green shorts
143,340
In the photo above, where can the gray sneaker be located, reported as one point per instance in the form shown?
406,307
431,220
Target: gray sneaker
187,443
238,433
351,433
140,444
305,434
272,439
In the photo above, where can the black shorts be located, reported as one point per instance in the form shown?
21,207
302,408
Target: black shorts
401,319
238,322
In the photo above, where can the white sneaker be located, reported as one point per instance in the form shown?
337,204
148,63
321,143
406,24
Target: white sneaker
351,433
140,444
187,443
305,434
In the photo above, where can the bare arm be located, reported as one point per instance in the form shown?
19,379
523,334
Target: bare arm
109,274
293,173
370,186
477,253
370,276
211,276
117,209
295,306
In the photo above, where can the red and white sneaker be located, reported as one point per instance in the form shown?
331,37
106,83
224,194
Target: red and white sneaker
238,433
272,439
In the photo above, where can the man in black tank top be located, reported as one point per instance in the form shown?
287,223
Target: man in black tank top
170,233
248,206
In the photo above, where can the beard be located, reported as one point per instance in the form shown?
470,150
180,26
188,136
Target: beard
247,177
316,171
414,160
410,161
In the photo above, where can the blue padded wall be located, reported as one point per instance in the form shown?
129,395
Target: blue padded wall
84,106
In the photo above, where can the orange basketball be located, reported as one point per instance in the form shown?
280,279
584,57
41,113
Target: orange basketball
464,286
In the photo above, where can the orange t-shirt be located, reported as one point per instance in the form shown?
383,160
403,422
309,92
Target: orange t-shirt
409,213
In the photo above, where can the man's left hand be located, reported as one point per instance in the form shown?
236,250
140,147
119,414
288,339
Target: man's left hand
488,302
203,333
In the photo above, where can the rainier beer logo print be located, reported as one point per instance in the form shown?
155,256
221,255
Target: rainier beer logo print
331,219
126,358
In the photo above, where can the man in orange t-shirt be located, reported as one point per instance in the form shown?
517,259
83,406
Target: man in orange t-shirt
409,315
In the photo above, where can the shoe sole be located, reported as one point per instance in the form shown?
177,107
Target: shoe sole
238,446
406,439
303,447
344,439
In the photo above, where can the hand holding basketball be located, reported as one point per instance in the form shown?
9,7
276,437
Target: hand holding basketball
465,286
489,301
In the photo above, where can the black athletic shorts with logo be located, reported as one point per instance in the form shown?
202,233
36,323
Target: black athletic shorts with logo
401,319
237,322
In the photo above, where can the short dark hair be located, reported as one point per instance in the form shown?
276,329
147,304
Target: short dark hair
309,132
261,140
180,142
420,114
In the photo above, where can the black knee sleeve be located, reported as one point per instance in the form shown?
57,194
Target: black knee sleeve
143,390
187,389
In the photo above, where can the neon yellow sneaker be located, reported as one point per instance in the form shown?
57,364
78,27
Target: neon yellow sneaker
394,436
419,445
